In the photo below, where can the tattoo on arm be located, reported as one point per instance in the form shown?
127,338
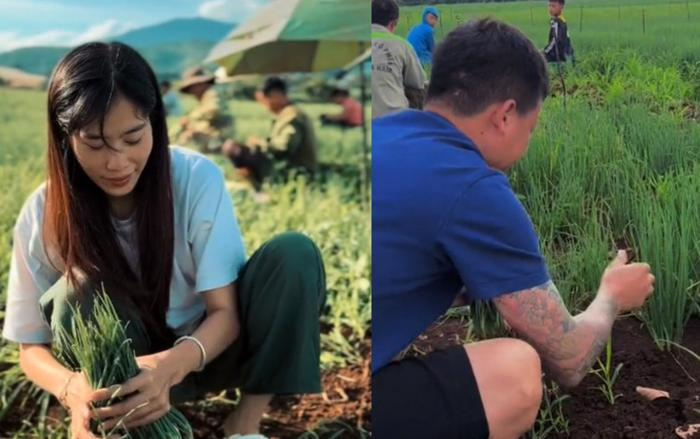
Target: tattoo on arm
568,345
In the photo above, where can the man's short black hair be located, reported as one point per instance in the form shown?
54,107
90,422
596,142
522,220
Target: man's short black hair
561,2
338,91
274,83
384,12
484,62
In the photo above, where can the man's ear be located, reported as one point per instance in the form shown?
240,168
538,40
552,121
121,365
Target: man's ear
392,25
501,113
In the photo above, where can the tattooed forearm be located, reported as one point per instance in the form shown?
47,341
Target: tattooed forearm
567,345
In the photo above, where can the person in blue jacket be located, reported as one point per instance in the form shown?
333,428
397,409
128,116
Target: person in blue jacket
422,36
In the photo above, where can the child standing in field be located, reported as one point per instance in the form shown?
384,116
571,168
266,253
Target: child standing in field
559,48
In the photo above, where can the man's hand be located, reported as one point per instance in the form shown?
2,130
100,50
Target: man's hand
567,345
628,285
254,142
231,148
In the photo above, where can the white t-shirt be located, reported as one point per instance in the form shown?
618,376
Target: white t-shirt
208,250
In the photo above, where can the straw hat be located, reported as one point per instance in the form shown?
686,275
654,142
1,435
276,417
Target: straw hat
192,76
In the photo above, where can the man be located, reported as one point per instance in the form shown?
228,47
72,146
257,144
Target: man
445,217
171,102
350,117
559,48
209,124
291,140
396,71
422,36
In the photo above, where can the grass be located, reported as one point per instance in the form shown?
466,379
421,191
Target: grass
594,24
332,212
551,418
612,163
608,375
667,238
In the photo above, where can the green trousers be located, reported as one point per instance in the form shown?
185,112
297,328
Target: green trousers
281,293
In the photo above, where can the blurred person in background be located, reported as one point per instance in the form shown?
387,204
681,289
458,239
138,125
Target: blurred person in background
289,145
396,71
422,36
171,101
350,117
209,124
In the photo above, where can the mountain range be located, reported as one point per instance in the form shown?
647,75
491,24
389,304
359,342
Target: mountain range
169,47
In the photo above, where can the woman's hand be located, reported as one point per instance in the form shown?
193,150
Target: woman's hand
148,393
78,398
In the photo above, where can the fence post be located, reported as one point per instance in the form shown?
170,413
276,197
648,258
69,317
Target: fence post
619,12
687,8
580,20
532,21
644,21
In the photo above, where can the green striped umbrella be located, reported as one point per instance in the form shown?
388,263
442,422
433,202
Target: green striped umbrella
296,36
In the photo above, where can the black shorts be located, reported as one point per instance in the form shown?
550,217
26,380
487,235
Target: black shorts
435,396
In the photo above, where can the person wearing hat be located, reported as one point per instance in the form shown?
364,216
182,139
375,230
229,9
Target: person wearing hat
350,117
422,36
209,124
291,139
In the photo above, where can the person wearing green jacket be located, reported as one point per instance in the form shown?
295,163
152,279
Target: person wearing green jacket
396,71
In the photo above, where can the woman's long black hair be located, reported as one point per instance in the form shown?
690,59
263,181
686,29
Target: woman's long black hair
77,221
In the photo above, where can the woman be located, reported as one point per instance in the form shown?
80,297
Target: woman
154,226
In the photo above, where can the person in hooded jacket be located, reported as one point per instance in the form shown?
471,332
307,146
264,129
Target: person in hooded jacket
422,36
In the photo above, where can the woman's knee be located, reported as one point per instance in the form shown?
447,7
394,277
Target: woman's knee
295,260
297,256
293,249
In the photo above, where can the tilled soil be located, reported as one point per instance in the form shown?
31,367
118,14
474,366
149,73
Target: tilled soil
590,415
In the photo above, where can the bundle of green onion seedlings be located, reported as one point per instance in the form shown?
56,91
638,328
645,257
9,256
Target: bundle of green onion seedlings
98,346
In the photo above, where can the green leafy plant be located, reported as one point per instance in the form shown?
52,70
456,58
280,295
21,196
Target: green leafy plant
550,418
607,375
98,347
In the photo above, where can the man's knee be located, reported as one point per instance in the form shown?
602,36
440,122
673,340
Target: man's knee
509,374
527,376
532,374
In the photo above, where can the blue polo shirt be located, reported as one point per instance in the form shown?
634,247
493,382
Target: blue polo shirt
441,219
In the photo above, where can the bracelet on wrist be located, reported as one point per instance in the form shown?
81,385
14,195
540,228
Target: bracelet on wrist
63,394
202,351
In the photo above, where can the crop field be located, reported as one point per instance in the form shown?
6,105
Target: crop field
614,163
333,212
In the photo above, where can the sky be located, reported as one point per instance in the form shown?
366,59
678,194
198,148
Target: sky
26,23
